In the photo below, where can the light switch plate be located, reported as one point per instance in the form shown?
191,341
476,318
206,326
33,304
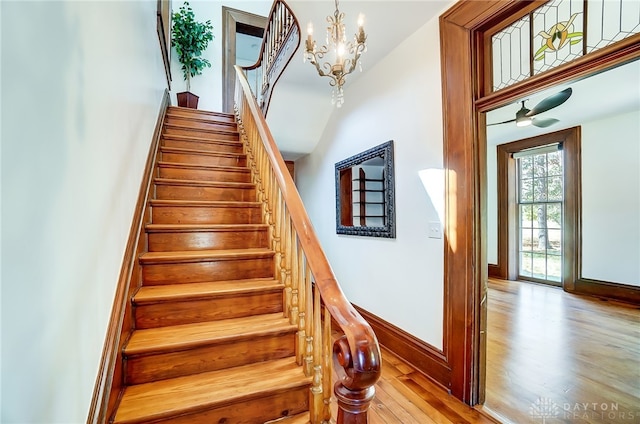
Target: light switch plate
435,230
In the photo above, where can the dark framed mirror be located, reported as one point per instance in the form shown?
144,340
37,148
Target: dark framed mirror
365,193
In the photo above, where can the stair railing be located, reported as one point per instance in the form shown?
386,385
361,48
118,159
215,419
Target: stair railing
313,297
281,40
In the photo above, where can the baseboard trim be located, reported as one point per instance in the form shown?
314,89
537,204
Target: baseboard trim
424,357
105,393
494,271
605,289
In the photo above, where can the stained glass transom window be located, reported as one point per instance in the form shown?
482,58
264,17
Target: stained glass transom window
559,32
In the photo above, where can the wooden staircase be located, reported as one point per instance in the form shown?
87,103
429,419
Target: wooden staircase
210,342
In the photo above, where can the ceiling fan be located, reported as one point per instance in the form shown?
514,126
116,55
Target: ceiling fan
525,117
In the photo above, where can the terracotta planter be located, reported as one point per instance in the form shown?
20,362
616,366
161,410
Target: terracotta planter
187,99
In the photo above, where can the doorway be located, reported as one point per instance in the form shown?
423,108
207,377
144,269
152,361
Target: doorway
464,94
241,31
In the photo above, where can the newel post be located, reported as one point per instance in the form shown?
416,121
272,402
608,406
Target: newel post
353,405
357,376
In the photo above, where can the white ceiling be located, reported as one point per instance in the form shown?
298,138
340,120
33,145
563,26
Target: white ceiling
605,94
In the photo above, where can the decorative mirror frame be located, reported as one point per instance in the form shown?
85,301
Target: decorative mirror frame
385,151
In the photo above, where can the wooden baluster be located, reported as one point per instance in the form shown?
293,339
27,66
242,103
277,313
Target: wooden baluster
293,318
277,204
317,399
302,321
279,24
286,258
261,182
271,46
327,360
298,287
266,211
308,367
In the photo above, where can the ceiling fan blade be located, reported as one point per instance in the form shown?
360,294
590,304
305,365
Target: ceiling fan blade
543,123
550,102
504,122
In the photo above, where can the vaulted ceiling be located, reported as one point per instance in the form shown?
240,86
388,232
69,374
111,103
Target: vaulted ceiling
387,23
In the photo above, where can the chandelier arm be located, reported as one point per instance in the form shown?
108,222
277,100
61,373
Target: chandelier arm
354,62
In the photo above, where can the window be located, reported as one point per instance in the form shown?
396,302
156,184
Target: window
556,33
539,176
540,207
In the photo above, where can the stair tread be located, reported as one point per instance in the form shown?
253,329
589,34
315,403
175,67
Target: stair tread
230,184
200,140
191,111
198,255
292,419
166,398
199,152
212,203
155,228
166,164
187,291
205,130
184,336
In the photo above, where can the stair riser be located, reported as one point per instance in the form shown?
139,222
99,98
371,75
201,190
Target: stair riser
213,270
250,411
204,174
203,134
144,369
169,192
187,312
202,240
208,147
205,215
199,115
210,160
196,123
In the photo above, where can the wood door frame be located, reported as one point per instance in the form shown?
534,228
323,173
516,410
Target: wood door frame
232,19
572,195
465,99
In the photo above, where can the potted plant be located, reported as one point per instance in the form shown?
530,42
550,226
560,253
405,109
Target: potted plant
190,38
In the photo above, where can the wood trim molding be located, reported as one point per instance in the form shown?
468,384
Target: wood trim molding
231,18
109,380
427,359
463,79
494,271
604,289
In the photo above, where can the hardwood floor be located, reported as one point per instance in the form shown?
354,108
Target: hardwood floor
556,357
405,396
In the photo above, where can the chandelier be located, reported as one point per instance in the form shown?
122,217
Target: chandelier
338,45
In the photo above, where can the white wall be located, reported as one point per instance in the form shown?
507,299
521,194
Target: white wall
400,280
208,86
611,199
82,84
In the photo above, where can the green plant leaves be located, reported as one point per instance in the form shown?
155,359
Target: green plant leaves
190,38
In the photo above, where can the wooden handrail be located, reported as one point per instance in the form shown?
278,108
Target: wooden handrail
356,355
281,40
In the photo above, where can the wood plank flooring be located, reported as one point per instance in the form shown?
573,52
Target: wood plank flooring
555,357
405,396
